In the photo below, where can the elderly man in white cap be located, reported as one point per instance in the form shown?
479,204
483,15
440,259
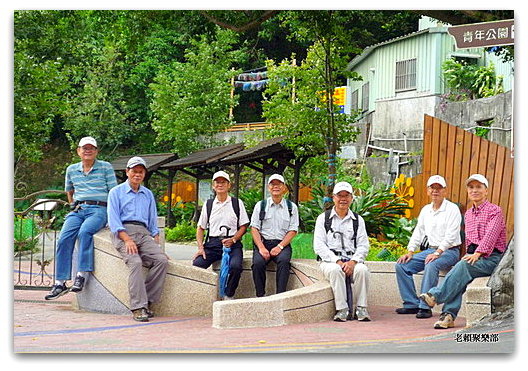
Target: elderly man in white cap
225,218
486,242
133,221
437,235
87,184
341,243
274,223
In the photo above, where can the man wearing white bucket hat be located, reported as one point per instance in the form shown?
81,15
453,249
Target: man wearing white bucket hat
341,244
437,236
274,223
485,241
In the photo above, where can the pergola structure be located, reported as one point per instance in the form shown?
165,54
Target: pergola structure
268,157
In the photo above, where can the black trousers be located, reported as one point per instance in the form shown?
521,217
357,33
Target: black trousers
213,253
259,267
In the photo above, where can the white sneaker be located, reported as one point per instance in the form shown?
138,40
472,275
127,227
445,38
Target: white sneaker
362,314
341,315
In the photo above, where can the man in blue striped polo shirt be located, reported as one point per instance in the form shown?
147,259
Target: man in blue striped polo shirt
87,185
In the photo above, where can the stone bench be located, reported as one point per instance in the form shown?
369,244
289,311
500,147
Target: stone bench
192,291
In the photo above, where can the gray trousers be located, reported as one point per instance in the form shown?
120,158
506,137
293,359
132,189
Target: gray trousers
142,289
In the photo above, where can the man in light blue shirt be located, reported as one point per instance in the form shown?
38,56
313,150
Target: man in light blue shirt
132,218
87,184
274,223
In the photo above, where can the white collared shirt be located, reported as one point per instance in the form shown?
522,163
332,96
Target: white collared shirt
277,221
325,242
222,213
442,227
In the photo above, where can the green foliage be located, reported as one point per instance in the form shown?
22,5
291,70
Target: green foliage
25,235
385,251
400,230
379,208
466,81
250,197
191,99
183,231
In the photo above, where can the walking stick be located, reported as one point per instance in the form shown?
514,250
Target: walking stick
348,279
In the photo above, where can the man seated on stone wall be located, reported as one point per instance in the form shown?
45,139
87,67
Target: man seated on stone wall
274,224
341,244
486,242
133,221
437,235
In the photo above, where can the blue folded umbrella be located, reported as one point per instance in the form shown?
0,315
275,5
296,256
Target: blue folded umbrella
224,270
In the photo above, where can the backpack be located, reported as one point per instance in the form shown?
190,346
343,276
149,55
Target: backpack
355,225
236,209
262,214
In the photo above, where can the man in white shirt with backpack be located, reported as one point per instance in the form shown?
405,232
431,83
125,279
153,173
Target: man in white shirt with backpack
341,244
274,223
225,218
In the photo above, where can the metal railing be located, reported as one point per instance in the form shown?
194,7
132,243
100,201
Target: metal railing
35,241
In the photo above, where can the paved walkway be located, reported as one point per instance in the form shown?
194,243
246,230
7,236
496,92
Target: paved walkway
55,327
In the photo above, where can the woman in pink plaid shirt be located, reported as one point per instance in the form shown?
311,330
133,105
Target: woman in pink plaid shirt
485,241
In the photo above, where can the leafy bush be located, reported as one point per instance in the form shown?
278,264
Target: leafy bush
379,209
183,231
250,198
401,230
385,251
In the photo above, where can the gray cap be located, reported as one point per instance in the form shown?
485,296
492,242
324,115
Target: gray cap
135,161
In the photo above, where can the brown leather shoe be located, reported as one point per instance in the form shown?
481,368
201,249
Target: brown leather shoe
446,321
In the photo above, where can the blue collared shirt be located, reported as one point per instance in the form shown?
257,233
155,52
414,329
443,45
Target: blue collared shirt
126,205
93,185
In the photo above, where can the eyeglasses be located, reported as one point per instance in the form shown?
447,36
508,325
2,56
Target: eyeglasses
86,149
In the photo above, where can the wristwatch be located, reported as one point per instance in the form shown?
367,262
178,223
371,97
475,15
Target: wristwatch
280,246
436,253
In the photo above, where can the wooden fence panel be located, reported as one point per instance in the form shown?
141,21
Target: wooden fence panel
456,154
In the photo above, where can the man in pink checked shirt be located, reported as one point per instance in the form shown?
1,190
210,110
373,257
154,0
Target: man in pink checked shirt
485,241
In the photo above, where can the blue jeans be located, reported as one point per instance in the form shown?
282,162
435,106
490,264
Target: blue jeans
83,223
405,271
455,283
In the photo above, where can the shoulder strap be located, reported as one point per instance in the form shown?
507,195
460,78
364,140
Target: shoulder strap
355,226
208,209
290,207
262,213
328,222
236,209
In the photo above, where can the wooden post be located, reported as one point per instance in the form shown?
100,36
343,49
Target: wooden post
172,173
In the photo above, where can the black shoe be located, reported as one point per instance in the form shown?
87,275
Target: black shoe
424,313
78,284
57,291
140,315
407,310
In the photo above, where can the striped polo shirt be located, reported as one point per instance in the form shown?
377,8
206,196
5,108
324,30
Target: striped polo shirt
93,185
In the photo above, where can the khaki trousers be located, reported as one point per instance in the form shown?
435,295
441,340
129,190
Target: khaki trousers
142,289
335,275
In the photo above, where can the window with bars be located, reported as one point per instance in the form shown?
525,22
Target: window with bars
406,75
354,100
365,97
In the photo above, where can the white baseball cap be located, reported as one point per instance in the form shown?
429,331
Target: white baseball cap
278,177
135,161
87,140
221,174
438,180
479,178
342,186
